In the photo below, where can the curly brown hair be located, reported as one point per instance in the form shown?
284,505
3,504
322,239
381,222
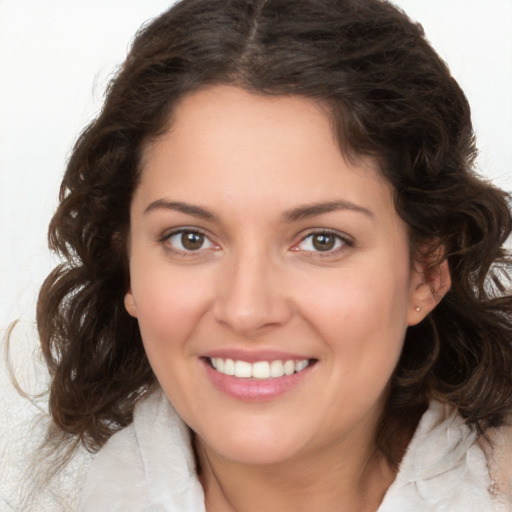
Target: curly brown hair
390,96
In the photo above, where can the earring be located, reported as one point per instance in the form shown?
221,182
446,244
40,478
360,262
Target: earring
418,309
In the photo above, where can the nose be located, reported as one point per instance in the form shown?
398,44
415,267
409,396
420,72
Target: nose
250,296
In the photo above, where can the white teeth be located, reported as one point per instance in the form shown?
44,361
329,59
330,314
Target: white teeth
289,367
243,369
301,365
276,369
229,367
259,370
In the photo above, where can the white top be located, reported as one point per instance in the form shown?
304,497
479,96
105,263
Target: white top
149,466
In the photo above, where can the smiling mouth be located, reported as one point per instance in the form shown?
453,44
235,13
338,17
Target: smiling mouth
260,370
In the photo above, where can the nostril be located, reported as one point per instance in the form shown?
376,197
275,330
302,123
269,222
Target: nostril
249,298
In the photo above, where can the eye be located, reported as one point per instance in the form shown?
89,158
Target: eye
187,240
321,241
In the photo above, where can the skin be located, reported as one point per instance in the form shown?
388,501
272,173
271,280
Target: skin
257,282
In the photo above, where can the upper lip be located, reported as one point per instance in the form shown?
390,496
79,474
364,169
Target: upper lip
253,356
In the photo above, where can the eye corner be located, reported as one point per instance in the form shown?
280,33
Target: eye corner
322,242
187,241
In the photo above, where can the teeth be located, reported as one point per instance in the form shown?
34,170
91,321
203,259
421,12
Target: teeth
229,366
243,369
301,365
289,367
276,369
259,370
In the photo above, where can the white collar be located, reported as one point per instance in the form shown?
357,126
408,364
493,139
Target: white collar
150,466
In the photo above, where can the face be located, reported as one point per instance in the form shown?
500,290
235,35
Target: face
270,278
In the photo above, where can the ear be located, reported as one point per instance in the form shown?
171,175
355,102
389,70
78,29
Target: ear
429,284
129,303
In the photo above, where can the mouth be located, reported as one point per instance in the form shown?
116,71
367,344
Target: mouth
259,370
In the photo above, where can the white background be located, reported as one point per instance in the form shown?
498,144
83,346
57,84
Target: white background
55,59
57,55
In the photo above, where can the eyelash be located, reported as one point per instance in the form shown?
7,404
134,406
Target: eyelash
341,242
167,240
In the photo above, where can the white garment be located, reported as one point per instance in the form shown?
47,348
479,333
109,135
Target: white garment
149,466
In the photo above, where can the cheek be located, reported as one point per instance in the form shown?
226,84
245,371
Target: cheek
362,315
168,315
361,321
169,305
354,296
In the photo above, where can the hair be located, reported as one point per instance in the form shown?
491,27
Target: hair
390,97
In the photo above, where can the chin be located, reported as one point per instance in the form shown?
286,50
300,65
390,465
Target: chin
254,450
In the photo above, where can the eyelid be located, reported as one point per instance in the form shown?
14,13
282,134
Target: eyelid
167,235
346,241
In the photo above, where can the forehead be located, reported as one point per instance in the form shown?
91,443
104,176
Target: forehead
239,145
217,116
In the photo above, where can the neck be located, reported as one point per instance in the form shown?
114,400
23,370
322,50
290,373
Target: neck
350,477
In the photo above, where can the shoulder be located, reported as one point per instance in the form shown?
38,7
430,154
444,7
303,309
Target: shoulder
116,479
497,446
447,468
149,464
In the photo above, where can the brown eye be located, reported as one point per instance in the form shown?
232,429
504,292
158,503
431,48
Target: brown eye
323,241
185,240
192,241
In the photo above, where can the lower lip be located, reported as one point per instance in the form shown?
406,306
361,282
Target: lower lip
255,390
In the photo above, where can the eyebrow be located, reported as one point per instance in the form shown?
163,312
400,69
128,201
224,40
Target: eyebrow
312,210
188,209
293,215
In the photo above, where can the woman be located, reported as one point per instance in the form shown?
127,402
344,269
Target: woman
284,287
